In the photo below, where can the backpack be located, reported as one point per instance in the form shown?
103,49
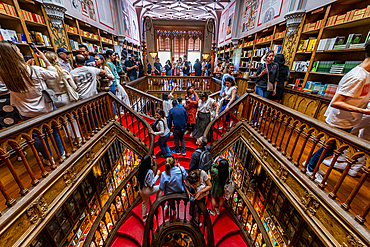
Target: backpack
154,125
205,160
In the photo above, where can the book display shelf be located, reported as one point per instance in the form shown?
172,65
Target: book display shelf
23,22
254,47
331,44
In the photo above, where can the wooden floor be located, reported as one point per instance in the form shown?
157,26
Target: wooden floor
358,204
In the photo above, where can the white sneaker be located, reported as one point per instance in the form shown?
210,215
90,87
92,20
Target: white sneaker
166,207
186,132
217,211
211,212
327,162
318,177
191,134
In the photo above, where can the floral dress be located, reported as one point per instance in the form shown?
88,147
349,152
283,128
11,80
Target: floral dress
192,107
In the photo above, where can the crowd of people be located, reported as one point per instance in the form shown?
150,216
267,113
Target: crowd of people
195,183
181,67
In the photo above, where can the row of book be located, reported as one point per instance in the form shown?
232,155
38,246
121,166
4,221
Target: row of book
261,51
351,15
9,35
74,44
333,67
39,39
319,88
29,16
248,53
307,45
277,49
106,40
313,25
280,35
7,9
300,65
340,42
89,35
93,48
71,29
264,39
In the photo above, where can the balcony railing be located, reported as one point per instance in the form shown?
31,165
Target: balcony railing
297,137
157,219
68,127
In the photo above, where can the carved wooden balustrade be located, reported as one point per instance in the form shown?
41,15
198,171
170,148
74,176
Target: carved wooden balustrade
114,212
247,219
297,137
157,221
21,165
142,102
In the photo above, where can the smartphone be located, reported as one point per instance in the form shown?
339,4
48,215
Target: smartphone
33,48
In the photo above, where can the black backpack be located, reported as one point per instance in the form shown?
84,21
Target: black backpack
205,160
154,125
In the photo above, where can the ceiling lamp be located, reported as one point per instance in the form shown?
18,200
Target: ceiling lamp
205,55
153,54
55,10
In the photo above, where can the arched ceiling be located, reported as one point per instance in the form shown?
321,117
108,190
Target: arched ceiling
181,9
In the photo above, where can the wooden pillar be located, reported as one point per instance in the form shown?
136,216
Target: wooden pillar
144,58
213,58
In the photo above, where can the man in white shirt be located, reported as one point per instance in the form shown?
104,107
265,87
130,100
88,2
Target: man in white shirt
63,58
347,106
85,78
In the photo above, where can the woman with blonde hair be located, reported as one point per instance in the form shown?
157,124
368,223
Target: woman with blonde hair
26,84
59,85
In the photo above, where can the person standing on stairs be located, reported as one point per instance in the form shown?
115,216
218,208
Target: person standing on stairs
347,107
192,101
167,101
178,117
147,182
172,180
220,174
203,146
163,133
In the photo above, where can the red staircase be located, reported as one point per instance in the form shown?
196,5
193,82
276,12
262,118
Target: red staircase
131,232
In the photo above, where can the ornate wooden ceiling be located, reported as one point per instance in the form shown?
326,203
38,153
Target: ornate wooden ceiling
181,9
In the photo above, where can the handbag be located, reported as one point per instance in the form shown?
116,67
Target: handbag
270,86
229,187
72,94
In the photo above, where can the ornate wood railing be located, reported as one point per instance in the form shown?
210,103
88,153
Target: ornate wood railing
247,219
19,153
297,137
157,220
143,103
114,212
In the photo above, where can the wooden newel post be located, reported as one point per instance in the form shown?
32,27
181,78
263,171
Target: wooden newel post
213,58
144,59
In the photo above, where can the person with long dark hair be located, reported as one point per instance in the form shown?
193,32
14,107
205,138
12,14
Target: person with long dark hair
220,174
147,182
192,101
168,68
282,77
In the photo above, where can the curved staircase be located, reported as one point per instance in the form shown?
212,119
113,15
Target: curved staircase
131,232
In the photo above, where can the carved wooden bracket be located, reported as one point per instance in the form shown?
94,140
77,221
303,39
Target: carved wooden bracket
310,203
89,155
104,141
282,172
353,241
37,210
70,177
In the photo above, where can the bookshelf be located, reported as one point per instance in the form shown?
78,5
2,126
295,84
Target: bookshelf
339,45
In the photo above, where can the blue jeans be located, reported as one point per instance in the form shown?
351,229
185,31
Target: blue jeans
186,74
39,145
162,143
132,78
316,156
262,92
178,135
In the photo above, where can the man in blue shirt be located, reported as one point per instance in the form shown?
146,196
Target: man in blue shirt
230,70
178,116
90,60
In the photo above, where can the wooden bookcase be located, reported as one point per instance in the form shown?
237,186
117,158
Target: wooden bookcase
326,31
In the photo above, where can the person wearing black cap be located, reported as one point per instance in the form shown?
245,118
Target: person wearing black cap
63,58
131,68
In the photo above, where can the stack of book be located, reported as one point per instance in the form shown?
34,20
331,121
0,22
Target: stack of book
276,49
280,35
313,26
89,35
351,15
249,43
330,90
39,39
32,17
298,83
348,65
264,39
326,44
74,44
322,66
336,69
106,40
7,9
300,65
71,29
319,88
307,45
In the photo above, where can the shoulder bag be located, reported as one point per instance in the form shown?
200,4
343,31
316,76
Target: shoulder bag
270,86
72,94
229,187
47,93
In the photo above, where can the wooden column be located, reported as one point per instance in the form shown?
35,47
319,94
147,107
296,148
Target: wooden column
213,58
144,59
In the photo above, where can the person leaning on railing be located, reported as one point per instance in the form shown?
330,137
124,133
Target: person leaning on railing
347,106
267,74
26,84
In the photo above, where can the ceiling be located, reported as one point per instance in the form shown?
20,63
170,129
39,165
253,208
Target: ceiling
181,9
